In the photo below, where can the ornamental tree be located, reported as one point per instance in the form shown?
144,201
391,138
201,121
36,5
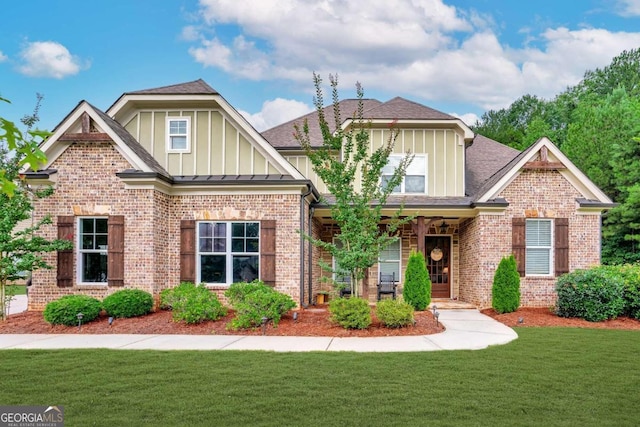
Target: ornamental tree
352,173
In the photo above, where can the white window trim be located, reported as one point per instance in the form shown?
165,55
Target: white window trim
402,184
399,278
229,255
169,119
79,251
551,248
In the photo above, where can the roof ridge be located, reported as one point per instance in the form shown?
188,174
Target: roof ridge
198,86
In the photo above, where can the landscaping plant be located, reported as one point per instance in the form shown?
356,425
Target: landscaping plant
505,293
596,294
394,313
64,311
255,303
192,304
417,284
350,313
128,303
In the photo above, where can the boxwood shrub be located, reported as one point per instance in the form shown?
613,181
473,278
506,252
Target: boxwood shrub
394,313
350,313
128,303
596,294
254,301
64,311
192,304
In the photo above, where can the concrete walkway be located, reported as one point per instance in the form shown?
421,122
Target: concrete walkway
465,330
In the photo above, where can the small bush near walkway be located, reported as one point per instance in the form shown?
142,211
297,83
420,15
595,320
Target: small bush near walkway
64,311
417,284
350,313
596,294
256,301
394,313
505,293
128,303
192,304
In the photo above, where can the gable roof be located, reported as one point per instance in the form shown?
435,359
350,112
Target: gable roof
502,178
400,108
484,158
196,87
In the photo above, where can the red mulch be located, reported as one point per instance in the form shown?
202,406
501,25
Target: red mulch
310,322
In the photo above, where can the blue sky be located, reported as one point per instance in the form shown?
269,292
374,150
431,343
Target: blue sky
462,57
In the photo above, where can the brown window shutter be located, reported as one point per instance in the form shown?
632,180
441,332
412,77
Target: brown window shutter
562,246
268,252
519,243
64,274
115,255
188,250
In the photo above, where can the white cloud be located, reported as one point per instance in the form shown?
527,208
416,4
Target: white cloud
48,59
425,49
276,112
190,33
3,57
629,8
469,119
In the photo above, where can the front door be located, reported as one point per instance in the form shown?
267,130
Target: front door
438,250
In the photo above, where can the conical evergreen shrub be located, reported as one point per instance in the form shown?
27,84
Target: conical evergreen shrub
417,284
505,293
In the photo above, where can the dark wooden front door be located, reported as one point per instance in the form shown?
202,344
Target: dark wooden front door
438,255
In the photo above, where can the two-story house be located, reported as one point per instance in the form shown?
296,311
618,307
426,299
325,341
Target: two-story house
172,184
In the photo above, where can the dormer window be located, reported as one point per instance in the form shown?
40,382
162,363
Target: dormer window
178,134
415,179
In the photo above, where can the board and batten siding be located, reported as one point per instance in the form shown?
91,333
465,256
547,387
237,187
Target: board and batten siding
443,149
217,145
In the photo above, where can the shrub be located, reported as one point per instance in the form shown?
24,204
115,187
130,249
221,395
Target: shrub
630,276
64,311
128,303
394,313
254,301
192,304
350,313
505,293
417,284
596,294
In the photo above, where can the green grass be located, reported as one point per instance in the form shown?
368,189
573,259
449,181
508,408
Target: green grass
549,376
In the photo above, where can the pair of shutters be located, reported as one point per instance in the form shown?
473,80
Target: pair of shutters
115,252
267,251
560,248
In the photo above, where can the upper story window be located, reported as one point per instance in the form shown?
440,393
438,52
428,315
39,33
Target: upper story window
539,251
178,134
415,179
92,250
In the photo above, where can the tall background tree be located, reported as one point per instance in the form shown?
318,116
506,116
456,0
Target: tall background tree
596,123
352,172
20,250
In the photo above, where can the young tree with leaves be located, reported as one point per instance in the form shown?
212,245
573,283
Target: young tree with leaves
352,174
20,251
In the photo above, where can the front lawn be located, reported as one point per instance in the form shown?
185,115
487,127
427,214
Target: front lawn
549,376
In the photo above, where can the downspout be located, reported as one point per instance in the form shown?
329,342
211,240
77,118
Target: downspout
310,255
302,252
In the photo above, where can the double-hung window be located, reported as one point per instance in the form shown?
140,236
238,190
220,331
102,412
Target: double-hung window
415,179
389,260
228,252
178,134
93,236
539,247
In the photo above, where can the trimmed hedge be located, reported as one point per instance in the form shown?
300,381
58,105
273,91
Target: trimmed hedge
394,313
505,292
596,294
64,311
417,284
350,313
128,303
254,301
630,275
192,304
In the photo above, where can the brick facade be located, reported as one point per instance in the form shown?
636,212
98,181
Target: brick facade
87,185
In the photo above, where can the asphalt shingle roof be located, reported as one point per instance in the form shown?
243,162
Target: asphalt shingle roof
196,87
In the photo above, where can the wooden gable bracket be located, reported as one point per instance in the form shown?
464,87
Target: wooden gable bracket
544,162
86,134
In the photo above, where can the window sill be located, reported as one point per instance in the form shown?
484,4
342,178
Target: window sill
92,285
217,287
